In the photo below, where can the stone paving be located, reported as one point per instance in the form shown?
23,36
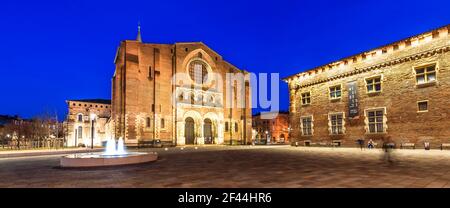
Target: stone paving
243,166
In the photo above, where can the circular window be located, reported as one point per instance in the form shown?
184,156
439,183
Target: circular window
198,71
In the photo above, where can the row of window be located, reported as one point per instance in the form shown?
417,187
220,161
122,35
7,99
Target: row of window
85,105
375,123
148,123
210,99
265,123
424,75
80,117
227,128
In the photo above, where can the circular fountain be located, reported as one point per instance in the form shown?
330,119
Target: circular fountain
110,157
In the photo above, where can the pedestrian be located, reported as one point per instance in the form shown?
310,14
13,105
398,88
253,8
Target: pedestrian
426,145
370,144
361,143
388,146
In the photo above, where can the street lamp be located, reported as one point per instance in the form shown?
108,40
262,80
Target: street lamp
267,136
92,130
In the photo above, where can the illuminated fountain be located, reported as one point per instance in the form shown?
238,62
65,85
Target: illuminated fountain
113,155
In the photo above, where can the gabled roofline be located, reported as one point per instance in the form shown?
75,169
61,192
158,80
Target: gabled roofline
194,42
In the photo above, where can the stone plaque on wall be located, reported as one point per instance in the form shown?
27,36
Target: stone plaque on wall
353,106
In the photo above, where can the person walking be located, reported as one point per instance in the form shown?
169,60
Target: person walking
361,143
388,146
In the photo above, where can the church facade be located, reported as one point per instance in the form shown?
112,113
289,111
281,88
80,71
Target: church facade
180,94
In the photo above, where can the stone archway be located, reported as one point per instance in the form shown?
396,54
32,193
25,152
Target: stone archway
207,131
217,126
282,138
189,130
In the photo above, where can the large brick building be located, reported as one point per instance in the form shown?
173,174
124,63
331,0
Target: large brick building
148,103
397,92
273,130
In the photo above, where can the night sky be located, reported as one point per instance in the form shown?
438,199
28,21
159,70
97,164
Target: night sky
53,50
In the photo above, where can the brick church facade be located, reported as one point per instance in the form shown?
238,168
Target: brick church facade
398,92
148,103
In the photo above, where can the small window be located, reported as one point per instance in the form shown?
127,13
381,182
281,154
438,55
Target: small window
426,74
306,98
373,84
307,126
80,117
74,104
395,47
163,124
86,105
226,126
422,106
336,121
335,92
147,122
375,121
80,132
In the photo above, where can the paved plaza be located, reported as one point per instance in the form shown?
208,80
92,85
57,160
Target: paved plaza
243,166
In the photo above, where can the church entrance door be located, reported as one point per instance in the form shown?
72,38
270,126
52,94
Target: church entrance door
189,130
207,131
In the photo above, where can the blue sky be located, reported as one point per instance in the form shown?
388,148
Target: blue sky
58,50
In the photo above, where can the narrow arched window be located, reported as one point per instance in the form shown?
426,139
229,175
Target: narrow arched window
80,117
163,125
236,127
80,132
147,123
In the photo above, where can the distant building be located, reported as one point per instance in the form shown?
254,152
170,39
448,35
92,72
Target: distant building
6,119
398,92
86,117
275,130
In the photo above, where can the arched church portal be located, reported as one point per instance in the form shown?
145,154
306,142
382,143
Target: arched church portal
207,131
189,130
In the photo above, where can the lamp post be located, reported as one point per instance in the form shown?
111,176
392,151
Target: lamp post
92,130
9,143
267,136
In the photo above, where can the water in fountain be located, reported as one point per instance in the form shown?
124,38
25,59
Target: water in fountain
111,147
121,147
